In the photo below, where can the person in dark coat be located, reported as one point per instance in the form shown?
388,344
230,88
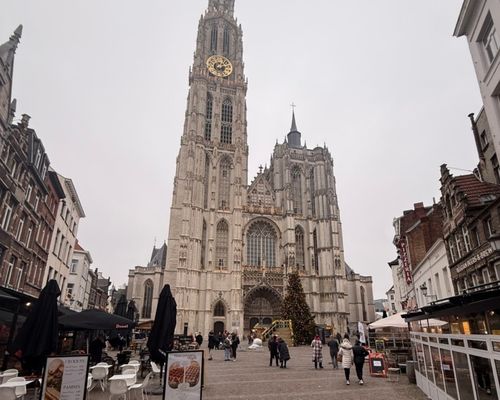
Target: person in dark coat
213,343
359,353
235,341
333,344
284,353
272,345
95,348
199,339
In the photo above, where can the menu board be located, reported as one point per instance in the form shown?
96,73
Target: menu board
377,364
65,378
183,375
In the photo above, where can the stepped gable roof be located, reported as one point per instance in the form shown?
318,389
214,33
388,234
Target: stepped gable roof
474,189
158,256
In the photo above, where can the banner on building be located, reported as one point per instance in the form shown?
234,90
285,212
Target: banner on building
65,378
403,255
361,330
183,375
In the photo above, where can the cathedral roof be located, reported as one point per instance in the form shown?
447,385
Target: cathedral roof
8,49
158,256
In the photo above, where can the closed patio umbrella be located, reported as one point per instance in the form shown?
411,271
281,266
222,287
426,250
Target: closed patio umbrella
131,310
38,336
161,338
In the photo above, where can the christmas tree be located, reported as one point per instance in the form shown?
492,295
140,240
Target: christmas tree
295,308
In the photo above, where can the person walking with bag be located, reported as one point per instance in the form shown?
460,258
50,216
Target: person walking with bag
333,344
359,353
347,357
227,348
235,341
317,352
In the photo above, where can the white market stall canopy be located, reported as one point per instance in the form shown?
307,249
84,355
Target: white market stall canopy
396,321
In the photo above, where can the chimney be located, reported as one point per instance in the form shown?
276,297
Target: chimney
25,120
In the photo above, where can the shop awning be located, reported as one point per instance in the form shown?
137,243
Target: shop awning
397,321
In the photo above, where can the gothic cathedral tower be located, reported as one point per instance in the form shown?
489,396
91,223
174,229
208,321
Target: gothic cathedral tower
205,233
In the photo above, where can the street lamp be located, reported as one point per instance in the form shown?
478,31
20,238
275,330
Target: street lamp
494,241
423,289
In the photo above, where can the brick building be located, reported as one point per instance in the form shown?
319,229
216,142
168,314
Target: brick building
472,219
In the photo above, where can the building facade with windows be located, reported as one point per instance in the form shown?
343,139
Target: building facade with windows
479,23
146,283
63,239
232,243
79,281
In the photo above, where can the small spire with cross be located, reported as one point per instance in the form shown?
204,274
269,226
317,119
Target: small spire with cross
260,168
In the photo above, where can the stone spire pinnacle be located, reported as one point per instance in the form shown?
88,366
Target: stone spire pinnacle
8,49
222,5
294,136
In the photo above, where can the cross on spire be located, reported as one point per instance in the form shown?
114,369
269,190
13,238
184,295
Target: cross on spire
293,105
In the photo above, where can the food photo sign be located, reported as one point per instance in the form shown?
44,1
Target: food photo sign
65,378
183,375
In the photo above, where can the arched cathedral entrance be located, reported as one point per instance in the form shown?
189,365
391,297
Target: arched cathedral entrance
262,305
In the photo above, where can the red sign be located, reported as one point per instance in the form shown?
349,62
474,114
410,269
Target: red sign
403,254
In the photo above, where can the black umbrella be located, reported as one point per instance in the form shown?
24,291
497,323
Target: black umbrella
38,336
121,306
161,338
94,320
131,310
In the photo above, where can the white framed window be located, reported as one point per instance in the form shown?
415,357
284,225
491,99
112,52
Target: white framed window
28,237
37,202
10,269
13,170
7,215
69,289
490,38
453,251
484,140
465,233
38,158
44,171
28,192
19,231
74,265
488,227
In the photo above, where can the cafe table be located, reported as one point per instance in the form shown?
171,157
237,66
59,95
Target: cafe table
15,384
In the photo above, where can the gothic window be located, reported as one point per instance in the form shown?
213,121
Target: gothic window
148,299
207,181
224,183
299,247
261,245
203,244
226,133
296,191
213,39
219,309
226,41
312,190
208,121
315,257
222,244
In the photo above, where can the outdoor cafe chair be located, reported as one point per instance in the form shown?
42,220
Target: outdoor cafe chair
99,375
129,369
89,382
118,388
142,386
7,393
9,374
155,368
20,391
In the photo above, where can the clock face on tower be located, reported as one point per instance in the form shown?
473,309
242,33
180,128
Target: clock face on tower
219,66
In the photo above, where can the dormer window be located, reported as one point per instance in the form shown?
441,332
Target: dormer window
38,158
484,140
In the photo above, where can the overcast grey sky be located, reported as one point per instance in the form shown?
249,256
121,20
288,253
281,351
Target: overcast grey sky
383,83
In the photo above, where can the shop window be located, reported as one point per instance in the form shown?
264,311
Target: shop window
463,375
483,378
438,371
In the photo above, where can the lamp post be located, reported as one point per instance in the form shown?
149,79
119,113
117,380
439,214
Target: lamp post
423,289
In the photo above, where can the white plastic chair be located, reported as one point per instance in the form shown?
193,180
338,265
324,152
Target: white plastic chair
131,381
142,386
89,382
129,369
118,388
99,375
7,393
155,368
9,374
20,391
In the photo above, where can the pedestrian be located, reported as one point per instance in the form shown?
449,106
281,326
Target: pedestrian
213,343
347,357
333,344
227,348
283,352
96,347
339,337
199,339
272,345
235,341
359,353
317,352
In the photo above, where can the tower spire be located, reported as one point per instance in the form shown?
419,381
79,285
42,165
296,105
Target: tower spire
222,5
294,136
8,49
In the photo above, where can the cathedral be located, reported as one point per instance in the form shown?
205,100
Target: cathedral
231,241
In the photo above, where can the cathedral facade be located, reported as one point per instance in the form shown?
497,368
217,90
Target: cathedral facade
232,242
